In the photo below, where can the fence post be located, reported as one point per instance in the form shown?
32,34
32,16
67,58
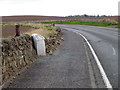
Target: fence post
17,30
53,24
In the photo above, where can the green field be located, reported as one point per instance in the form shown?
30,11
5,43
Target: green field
103,24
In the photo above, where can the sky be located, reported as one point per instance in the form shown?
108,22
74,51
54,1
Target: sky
58,7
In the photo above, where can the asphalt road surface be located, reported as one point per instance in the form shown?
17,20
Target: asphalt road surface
68,67
105,43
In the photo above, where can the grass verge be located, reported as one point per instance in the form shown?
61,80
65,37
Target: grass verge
103,24
41,29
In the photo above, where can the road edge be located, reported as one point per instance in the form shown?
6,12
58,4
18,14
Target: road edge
103,74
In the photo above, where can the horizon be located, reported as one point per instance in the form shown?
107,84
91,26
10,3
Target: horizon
58,16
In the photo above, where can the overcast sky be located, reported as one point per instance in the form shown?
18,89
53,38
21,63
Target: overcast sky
58,7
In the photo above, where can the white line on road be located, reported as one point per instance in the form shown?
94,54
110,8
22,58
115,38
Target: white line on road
103,74
114,52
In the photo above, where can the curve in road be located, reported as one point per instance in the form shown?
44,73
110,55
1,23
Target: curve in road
105,43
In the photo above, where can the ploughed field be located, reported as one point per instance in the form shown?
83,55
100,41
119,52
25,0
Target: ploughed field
30,18
109,19
9,31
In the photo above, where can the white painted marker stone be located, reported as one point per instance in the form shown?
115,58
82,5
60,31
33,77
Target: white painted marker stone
39,44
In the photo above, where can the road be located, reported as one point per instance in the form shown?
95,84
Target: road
105,43
68,67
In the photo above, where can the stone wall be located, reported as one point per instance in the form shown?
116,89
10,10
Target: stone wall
53,41
17,53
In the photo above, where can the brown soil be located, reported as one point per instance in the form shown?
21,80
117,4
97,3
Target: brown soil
9,31
29,18
53,18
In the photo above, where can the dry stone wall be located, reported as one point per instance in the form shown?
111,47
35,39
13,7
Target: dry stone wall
53,41
17,53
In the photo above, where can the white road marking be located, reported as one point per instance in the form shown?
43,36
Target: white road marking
114,52
103,74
